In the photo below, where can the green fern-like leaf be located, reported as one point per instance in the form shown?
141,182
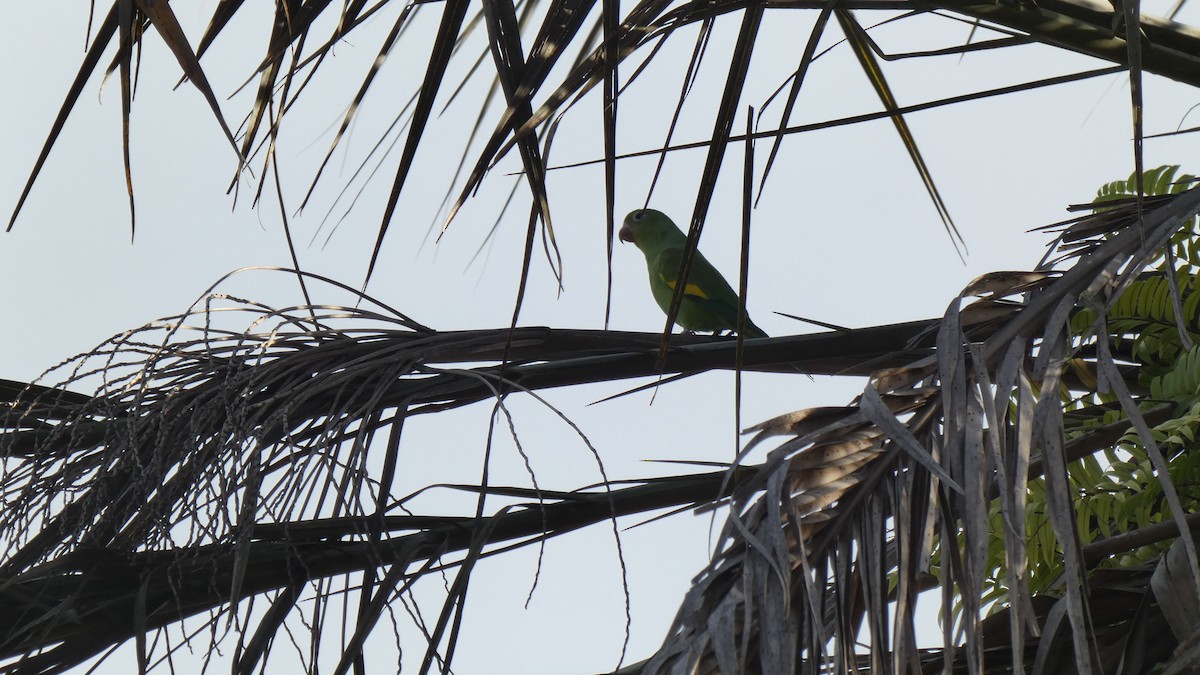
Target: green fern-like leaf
1158,181
1182,381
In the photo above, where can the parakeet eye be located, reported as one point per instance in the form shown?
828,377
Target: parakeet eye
638,215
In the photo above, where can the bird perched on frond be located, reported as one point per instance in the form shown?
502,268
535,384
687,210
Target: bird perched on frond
709,303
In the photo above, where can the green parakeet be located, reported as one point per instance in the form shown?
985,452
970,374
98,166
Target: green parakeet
709,304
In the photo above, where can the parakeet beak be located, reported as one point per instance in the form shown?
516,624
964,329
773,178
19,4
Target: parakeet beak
626,233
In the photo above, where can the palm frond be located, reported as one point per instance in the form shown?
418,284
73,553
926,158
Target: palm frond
1079,25
229,455
218,463
217,453
796,548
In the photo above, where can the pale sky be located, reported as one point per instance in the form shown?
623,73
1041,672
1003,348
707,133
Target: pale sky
844,233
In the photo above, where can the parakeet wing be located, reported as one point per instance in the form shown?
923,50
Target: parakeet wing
709,302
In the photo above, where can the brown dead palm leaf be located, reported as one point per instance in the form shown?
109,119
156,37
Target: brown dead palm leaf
224,460
254,441
217,463
807,537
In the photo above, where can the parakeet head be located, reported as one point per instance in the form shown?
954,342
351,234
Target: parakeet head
648,229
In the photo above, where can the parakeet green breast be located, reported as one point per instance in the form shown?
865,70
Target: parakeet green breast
709,303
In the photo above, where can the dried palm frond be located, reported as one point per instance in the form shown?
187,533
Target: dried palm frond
298,46
221,459
831,542
215,464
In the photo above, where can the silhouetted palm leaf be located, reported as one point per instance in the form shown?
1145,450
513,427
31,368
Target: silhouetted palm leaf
221,460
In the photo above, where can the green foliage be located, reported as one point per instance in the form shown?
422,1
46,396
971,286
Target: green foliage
1115,492
1160,181
1180,382
1141,322
1165,180
1117,489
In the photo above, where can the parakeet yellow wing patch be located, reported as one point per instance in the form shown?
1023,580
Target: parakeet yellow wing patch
690,289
